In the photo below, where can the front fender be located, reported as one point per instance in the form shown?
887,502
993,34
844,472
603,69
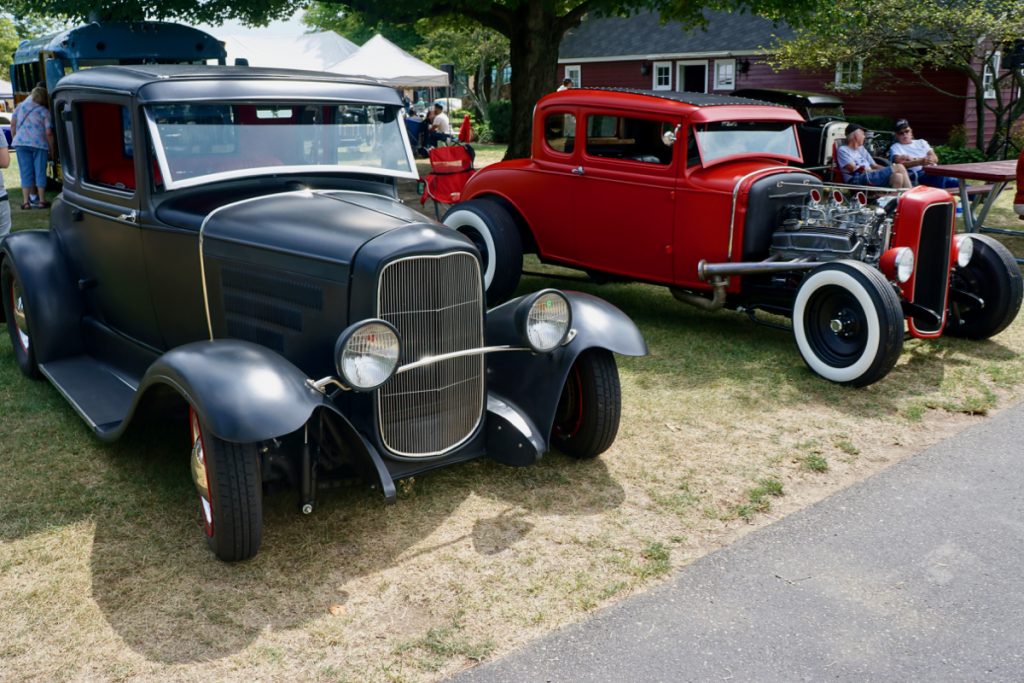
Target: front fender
243,392
534,381
52,298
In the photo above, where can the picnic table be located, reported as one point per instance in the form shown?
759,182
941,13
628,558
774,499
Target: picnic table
977,201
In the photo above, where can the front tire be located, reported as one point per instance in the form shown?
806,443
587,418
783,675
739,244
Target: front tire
17,314
589,409
848,323
489,226
227,478
994,277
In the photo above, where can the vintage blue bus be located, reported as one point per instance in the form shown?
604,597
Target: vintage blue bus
50,58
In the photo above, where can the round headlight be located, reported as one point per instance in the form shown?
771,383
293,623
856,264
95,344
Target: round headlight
904,263
548,320
366,354
964,250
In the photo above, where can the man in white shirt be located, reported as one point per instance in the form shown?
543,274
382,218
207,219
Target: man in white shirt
915,154
441,128
860,169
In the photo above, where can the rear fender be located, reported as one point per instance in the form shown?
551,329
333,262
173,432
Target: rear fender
52,298
243,392
533,381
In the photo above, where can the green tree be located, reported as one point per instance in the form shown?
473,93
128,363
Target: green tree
353,26
15,29
480,56
922,36
534,28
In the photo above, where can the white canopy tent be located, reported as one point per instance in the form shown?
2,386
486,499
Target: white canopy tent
384,61
6,91
321,51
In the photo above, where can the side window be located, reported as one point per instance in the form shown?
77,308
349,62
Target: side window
560,132
64,126
627,138
107,145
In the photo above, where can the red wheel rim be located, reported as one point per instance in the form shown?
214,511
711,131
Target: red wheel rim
200,470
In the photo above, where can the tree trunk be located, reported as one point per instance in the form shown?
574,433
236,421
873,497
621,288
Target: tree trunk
533,47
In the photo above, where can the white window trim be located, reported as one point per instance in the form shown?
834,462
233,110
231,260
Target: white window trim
849,85
654,75
691,62
727,86
990,76
574,73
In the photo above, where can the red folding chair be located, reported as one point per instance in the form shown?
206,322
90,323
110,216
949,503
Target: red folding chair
450,168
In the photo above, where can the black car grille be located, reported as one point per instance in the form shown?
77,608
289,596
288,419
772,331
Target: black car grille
931,276
436,303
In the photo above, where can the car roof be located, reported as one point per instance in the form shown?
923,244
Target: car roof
199,82
696,106
793,98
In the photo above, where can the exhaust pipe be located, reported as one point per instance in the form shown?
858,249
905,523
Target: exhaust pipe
713,271
716,301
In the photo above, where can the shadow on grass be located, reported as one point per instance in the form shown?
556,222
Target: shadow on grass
164,593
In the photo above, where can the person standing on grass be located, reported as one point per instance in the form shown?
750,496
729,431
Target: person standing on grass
32,137
1018,200
5,206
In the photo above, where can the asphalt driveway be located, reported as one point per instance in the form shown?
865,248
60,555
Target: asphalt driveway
914,574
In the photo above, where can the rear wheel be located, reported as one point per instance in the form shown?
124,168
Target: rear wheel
587,417
16,312
848,323
227,477
993,277
495,234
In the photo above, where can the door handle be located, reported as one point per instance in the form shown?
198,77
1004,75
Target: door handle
578,170
130,217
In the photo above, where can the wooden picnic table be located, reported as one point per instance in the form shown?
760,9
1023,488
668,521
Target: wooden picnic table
976,207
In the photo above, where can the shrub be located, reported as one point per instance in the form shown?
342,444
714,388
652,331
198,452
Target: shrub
958,155
500,114
958,136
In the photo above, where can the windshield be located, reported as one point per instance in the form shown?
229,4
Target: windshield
746,138
196,143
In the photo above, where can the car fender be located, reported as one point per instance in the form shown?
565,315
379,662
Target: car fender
52,298
243,392
534,381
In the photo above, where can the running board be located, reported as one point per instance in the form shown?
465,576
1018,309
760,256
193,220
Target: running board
96,392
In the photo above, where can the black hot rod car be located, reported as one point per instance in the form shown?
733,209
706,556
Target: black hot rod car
231,239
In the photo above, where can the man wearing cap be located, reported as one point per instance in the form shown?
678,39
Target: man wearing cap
859,168
915,154
1018,199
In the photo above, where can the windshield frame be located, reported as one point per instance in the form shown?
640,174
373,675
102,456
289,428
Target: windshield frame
702,127
169,183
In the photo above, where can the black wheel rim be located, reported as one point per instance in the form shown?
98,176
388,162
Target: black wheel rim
836,326
569,414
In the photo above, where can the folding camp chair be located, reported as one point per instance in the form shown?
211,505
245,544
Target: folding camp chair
450,168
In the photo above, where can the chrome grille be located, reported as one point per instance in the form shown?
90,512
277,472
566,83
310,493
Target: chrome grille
436,303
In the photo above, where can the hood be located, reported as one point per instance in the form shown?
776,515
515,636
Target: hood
326,226
724,176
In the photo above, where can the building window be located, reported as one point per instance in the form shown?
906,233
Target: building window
991,74
725,74
572,72
662,76
849,74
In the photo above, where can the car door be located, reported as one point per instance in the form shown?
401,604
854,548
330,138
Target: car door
620,196
102,231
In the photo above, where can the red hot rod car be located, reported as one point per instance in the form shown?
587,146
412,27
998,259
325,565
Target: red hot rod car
700,193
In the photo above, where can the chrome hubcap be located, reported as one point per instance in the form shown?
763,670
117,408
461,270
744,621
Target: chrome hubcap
20,321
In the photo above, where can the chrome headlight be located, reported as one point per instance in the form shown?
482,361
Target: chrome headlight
964,250
366,354
898,264
545,320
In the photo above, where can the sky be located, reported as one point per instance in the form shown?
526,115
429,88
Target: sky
288,27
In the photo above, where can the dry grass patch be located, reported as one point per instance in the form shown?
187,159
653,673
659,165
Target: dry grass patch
105,576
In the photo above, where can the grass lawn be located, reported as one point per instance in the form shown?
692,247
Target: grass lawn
104,574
